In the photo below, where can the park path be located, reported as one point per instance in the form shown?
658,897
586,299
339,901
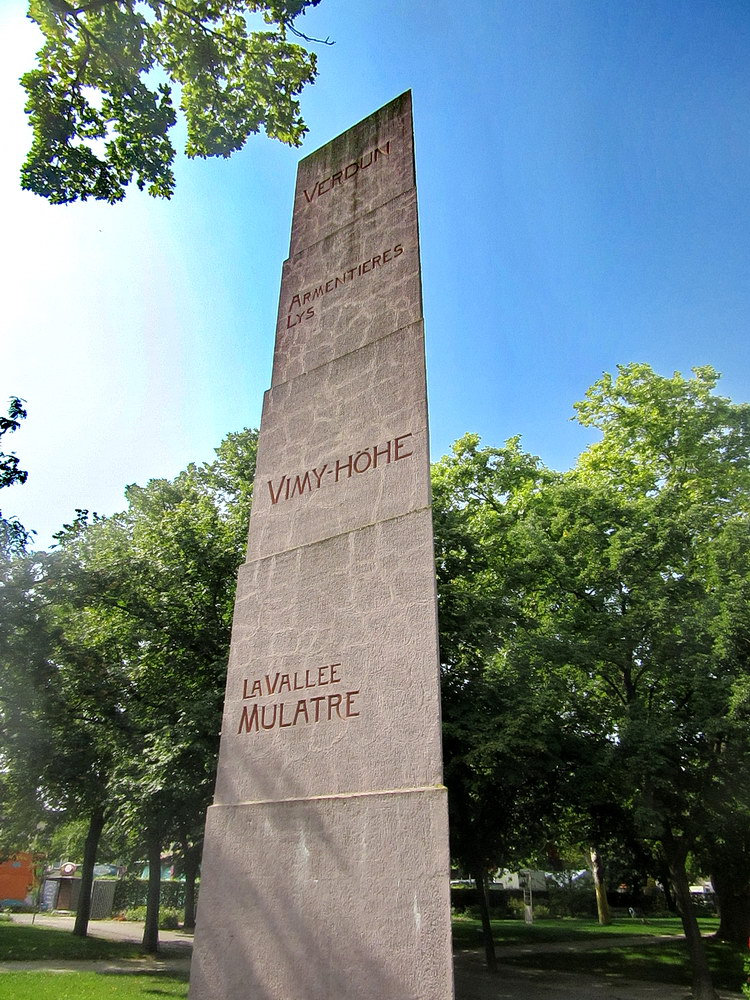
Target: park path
473,982
111,930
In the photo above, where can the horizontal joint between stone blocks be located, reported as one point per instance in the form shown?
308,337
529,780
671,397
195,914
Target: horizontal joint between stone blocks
349,225
342,534
377,793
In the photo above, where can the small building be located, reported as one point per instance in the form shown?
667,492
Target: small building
61,890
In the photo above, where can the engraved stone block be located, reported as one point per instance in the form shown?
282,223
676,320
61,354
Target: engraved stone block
348,289
356,172
311,706
344,446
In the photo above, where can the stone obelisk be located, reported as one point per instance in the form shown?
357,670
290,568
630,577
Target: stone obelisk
325,868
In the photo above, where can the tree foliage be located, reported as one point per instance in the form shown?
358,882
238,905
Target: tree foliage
114,661
100,100
13,535
620,589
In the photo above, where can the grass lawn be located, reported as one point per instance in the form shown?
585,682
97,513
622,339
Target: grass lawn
25,943
663,962
91,986
467,931
657,961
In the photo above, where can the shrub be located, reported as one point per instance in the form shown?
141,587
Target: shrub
572,901
516,906
169,918
131,892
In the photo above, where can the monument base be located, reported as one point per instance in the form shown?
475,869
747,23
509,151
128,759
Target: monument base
341,897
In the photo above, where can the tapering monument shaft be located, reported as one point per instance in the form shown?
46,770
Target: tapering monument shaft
325,868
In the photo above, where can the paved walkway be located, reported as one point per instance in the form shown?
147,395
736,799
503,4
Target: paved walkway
179,942
473,982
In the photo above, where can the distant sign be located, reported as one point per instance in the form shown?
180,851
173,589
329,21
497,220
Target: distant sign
49,894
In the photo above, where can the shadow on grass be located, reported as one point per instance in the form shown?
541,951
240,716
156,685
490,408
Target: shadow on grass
25,943
665,962
659,961
166,983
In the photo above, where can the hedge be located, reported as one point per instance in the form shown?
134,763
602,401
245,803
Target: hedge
131,892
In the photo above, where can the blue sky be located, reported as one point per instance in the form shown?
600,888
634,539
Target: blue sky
584,187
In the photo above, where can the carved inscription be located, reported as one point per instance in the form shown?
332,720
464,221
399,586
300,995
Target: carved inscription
311,709
334,472
368,159
301,307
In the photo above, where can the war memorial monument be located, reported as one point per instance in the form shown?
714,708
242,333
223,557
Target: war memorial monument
325,868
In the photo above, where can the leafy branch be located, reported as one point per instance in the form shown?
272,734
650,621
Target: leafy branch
233,82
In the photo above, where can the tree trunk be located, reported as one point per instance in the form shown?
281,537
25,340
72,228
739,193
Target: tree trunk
703,988
96,824
480,881
151,929
734,908
597,870
192,863
668,894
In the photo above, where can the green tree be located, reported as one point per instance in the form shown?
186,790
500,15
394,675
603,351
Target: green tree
13,536
627,624
724,849
91,673
682,452
114,662
60,708
499,732
631,611
167,593
610,586
100,99
503,773
25,651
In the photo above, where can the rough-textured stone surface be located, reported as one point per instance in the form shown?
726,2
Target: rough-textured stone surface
324,202
343,446
325,868
349,289
364,601
324,899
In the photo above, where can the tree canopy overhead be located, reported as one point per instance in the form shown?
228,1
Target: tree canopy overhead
13,535
100,99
